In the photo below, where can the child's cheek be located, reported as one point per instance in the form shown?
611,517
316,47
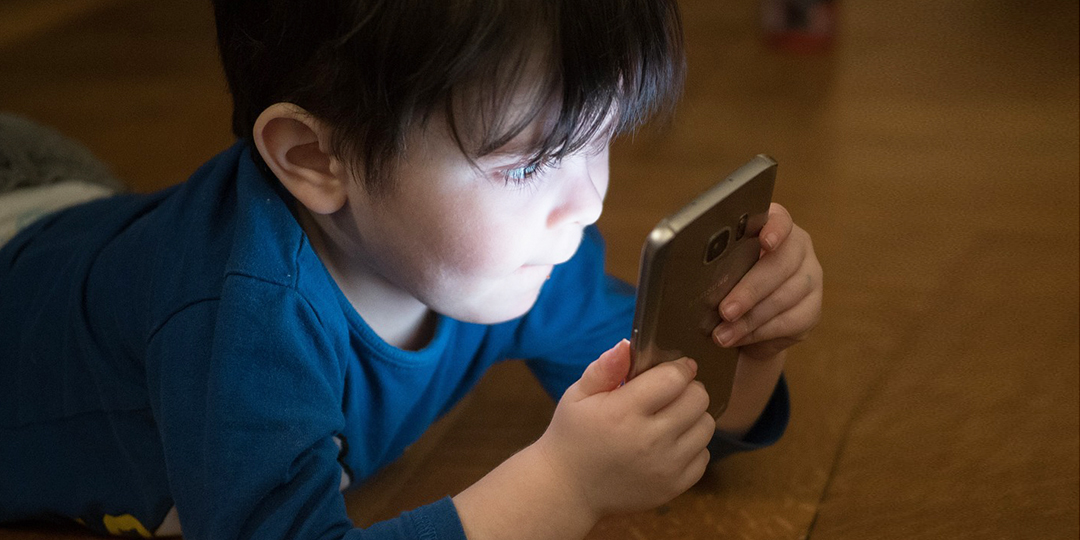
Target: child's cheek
492,254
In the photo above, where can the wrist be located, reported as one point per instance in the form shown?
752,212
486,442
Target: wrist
555,470
755,380
529,496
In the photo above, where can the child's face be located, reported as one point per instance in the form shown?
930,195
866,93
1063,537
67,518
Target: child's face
464,240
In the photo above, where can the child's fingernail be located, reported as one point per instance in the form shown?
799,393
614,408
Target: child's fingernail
693,365
613,352
769,240
724,335
731,311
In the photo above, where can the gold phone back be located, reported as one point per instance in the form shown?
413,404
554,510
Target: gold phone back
680,288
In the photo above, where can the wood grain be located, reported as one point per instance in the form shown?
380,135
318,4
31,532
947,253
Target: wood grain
933,156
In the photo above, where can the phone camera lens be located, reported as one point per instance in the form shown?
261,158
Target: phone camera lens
717,245
740,231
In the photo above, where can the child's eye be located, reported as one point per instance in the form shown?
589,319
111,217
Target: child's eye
522,175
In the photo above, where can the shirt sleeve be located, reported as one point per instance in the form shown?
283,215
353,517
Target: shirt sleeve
768,429
247,393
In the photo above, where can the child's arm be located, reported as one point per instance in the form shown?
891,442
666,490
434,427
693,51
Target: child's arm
562,484
773,307
608,449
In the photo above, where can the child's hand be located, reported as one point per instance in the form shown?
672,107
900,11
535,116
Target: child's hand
632,447
777,302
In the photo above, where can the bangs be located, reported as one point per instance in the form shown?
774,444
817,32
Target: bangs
578,69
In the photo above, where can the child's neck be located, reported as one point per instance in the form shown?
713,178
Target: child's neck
407,327
393,314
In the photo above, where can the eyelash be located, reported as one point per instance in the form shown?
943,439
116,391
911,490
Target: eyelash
524,175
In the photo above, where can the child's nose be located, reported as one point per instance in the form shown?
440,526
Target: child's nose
582,198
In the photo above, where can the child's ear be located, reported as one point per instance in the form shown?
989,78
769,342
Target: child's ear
295,145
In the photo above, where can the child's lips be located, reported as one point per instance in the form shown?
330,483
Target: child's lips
537,267
548,264
559,260
556,261
566,255
536,271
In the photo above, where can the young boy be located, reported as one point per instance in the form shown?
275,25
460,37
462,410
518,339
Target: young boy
411,201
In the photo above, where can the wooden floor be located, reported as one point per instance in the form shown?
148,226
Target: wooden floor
933,156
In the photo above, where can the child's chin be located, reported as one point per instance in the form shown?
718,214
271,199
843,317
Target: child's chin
497,312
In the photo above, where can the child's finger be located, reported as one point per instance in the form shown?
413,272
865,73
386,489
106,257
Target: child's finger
698,434
793,324
695,470
686,409
767,275
789,294
694,439
776,228
603,374
660,385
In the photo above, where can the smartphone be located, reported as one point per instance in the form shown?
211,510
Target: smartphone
690,261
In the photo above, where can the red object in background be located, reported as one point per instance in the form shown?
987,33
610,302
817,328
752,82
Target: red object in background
802,26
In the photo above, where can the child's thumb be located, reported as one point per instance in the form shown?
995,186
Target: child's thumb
605,373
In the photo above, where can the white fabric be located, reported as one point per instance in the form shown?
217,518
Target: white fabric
23,206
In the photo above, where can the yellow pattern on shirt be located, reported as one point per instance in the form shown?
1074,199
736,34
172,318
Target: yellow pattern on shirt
125,524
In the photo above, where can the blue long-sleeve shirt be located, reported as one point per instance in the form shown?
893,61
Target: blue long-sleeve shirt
186,351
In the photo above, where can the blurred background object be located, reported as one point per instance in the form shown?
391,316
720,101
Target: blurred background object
932,153
803,26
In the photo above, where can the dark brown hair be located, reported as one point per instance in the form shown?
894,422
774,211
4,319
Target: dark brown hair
374,69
